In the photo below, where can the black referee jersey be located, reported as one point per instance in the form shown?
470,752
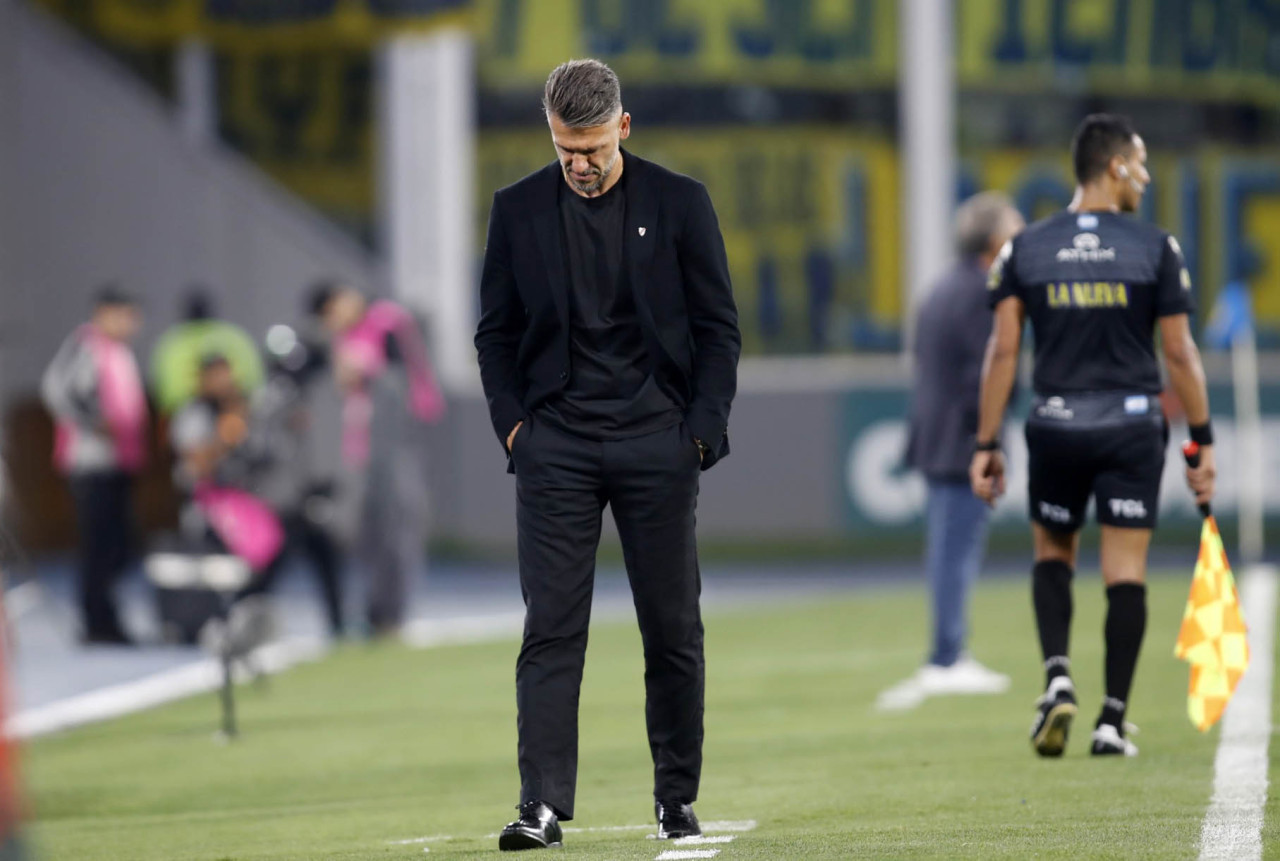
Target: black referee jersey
1094,285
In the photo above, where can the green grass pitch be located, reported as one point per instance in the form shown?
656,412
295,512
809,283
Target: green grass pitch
382,743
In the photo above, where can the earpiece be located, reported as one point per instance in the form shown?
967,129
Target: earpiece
1123,172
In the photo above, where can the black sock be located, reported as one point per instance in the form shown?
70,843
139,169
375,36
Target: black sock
1126,623
1051,595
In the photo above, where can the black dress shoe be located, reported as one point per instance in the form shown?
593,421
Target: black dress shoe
537,828
676,820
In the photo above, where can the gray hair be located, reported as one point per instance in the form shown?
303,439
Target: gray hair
582,94
979,219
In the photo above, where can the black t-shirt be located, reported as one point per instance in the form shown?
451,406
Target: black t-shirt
1094,284
611,392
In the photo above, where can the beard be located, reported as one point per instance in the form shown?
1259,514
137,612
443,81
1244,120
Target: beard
592,186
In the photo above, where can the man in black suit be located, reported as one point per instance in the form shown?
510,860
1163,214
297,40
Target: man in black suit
608,345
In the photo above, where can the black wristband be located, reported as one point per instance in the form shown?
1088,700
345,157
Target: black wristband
1202,434
990,445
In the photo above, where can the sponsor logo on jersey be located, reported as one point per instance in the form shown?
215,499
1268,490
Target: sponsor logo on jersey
1086,248
1087,222
1055,408
1088,294
1056,513
1130,509
1137,405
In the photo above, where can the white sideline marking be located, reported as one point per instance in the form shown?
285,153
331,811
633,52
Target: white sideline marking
733,825
677,854
465,630
1232,826
704,840
607,828
154,690
413,841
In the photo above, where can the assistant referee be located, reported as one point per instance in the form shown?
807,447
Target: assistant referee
1096,284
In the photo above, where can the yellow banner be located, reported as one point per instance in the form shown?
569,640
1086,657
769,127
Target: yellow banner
824,43
256,24
1117,47
1185,49
1212,50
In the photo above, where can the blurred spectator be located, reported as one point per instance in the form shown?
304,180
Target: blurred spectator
175,362
390,391
951,339
94,391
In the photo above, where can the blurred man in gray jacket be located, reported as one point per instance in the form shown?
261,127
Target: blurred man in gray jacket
951,338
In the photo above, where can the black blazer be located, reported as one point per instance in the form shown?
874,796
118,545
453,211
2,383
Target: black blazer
676,265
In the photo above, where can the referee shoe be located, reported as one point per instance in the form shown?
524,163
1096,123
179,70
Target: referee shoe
1054,713
1108,740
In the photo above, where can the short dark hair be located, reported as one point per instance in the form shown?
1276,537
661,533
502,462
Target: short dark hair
112,295
1098,139
582,94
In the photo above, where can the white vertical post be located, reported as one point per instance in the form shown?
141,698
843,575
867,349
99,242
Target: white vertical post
426,126
1251,512
927,96
197,105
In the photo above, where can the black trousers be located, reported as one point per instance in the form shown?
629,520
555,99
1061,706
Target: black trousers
104,514
563,483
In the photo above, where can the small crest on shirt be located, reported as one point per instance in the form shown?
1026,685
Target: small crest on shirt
642,231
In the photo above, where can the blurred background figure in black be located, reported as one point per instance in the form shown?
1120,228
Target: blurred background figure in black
952,329
175,361
389,392
94,391
288,478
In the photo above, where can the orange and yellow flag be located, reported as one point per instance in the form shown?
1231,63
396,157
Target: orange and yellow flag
1213,636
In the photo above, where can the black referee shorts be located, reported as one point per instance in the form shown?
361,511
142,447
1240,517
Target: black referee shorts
1120,465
